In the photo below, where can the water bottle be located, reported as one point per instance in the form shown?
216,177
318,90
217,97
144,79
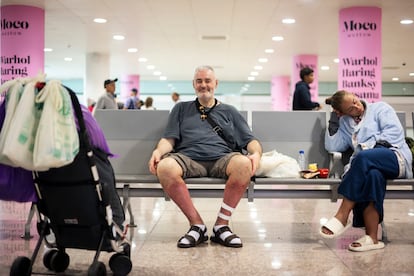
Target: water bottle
301,160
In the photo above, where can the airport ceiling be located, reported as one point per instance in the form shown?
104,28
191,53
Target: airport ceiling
175,36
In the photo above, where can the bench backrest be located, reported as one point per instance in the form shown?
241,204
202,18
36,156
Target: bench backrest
132,135
287,132
401,116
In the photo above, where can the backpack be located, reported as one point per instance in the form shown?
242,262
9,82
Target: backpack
132,103
410,143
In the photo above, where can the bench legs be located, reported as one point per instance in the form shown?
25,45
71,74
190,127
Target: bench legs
28,223
126,204
384,234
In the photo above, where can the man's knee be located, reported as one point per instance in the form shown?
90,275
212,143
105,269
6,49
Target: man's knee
168,167
239,165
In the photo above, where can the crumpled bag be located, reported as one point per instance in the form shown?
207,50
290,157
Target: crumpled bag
275,164
21,136
12,92
57,141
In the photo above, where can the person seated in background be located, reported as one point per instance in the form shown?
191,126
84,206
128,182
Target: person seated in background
301,96
191,148
379,153
175,97
148,104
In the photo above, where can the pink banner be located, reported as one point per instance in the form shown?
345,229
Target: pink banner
127,82
22,41
300,62
359,69
280,92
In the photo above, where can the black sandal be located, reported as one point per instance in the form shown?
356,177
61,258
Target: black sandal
227,241
203,237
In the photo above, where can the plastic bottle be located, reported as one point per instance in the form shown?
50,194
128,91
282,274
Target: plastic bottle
301,160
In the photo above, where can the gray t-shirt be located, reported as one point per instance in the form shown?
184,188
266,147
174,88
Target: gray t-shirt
195,137
106,101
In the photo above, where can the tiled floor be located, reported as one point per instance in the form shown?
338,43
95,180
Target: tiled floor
280,238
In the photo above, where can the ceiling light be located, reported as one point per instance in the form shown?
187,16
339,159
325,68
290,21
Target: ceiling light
157,73
406,21
336,60
288,21
132,50
163,78
99,20
251,78
254,73
263,60
118,37
269,51
277,38
213,37
67,59
395,79
411,74
258,67
324,67
142,59
48,49
150,67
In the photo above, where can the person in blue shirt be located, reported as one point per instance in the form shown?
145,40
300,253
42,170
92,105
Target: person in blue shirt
302,97
132,101
380,152
191,148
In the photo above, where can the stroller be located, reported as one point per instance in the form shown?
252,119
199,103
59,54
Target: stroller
78,207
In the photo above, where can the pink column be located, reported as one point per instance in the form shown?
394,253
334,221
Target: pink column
280,92
127,82
22,41
300,62
359,69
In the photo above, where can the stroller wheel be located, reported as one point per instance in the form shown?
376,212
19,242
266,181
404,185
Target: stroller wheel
59,261
47,258
120,264
21,266
97,269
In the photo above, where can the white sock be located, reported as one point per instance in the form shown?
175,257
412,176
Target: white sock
193,233
224,235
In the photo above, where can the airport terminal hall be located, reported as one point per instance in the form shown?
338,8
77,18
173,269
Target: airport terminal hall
206,137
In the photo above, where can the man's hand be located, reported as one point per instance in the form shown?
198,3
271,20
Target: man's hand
153,162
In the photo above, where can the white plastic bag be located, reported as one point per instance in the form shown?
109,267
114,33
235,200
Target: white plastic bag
275,164
57,141
20,137
13,90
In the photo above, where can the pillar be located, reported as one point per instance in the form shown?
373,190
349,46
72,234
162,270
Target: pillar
360,61
22,41
280,92
126,83
97,70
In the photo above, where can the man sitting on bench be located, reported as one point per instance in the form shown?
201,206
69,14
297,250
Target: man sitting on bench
202,138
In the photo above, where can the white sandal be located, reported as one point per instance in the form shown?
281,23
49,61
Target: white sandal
335,226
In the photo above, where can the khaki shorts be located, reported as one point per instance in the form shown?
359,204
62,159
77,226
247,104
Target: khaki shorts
191,168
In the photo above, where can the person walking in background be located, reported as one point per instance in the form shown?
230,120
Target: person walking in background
379,153
302,96
107,100
148,104
191,147
133,100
